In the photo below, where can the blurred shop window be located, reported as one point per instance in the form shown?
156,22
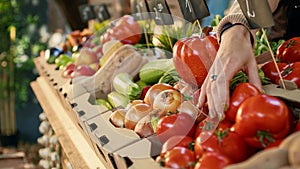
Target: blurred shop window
126,7
56,18
65,12
216,7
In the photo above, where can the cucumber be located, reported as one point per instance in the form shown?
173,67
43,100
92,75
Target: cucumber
152,71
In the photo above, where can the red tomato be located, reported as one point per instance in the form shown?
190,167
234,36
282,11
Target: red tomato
270,71
180,157
223,125
213,39
274,144
160,160
226,142
193,56
127,30
144,91
239,94
262,119
291,72
289,51
213,160
175,124
208,30
177,141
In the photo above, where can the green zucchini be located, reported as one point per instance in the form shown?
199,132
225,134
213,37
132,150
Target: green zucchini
152,71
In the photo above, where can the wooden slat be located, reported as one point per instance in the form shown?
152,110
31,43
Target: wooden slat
73,141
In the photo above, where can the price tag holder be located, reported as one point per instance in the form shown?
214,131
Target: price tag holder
86,12
160,12
257,12
140,10
193,10
101,12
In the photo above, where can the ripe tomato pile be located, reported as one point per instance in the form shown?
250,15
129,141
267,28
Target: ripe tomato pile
288,61
253,122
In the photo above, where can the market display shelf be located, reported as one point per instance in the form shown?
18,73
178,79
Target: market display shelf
80,126
77,147
88,139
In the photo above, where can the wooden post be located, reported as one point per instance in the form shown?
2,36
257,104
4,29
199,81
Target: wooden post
11,84
2,86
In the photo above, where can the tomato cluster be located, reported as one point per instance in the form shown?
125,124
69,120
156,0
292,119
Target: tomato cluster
288,63
253,122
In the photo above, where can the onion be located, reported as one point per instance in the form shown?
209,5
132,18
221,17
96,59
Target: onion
144,128
136,113
168,101
117,118
133,102
154,90
191,109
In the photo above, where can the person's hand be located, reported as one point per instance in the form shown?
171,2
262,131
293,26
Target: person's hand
235,54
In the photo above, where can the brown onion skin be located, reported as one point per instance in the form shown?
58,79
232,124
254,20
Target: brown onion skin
168,101
117,118
136,113
133,102
154,90
144,128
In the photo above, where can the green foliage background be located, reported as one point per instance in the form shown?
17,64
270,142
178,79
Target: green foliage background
30,18
27,45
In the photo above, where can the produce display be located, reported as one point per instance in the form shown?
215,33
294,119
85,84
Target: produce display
287,60
147,93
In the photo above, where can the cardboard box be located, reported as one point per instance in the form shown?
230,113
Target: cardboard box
90,126
74,88
122,147
109,137
144,148
85,109
135,163
291,95
124,157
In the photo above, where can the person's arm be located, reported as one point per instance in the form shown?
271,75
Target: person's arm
235,54
235,16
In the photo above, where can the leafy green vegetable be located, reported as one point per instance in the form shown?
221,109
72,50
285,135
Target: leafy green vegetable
242,77
216,20
261,45
170,35
171,77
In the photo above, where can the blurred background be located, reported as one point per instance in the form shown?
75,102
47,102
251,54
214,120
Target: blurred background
28,27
